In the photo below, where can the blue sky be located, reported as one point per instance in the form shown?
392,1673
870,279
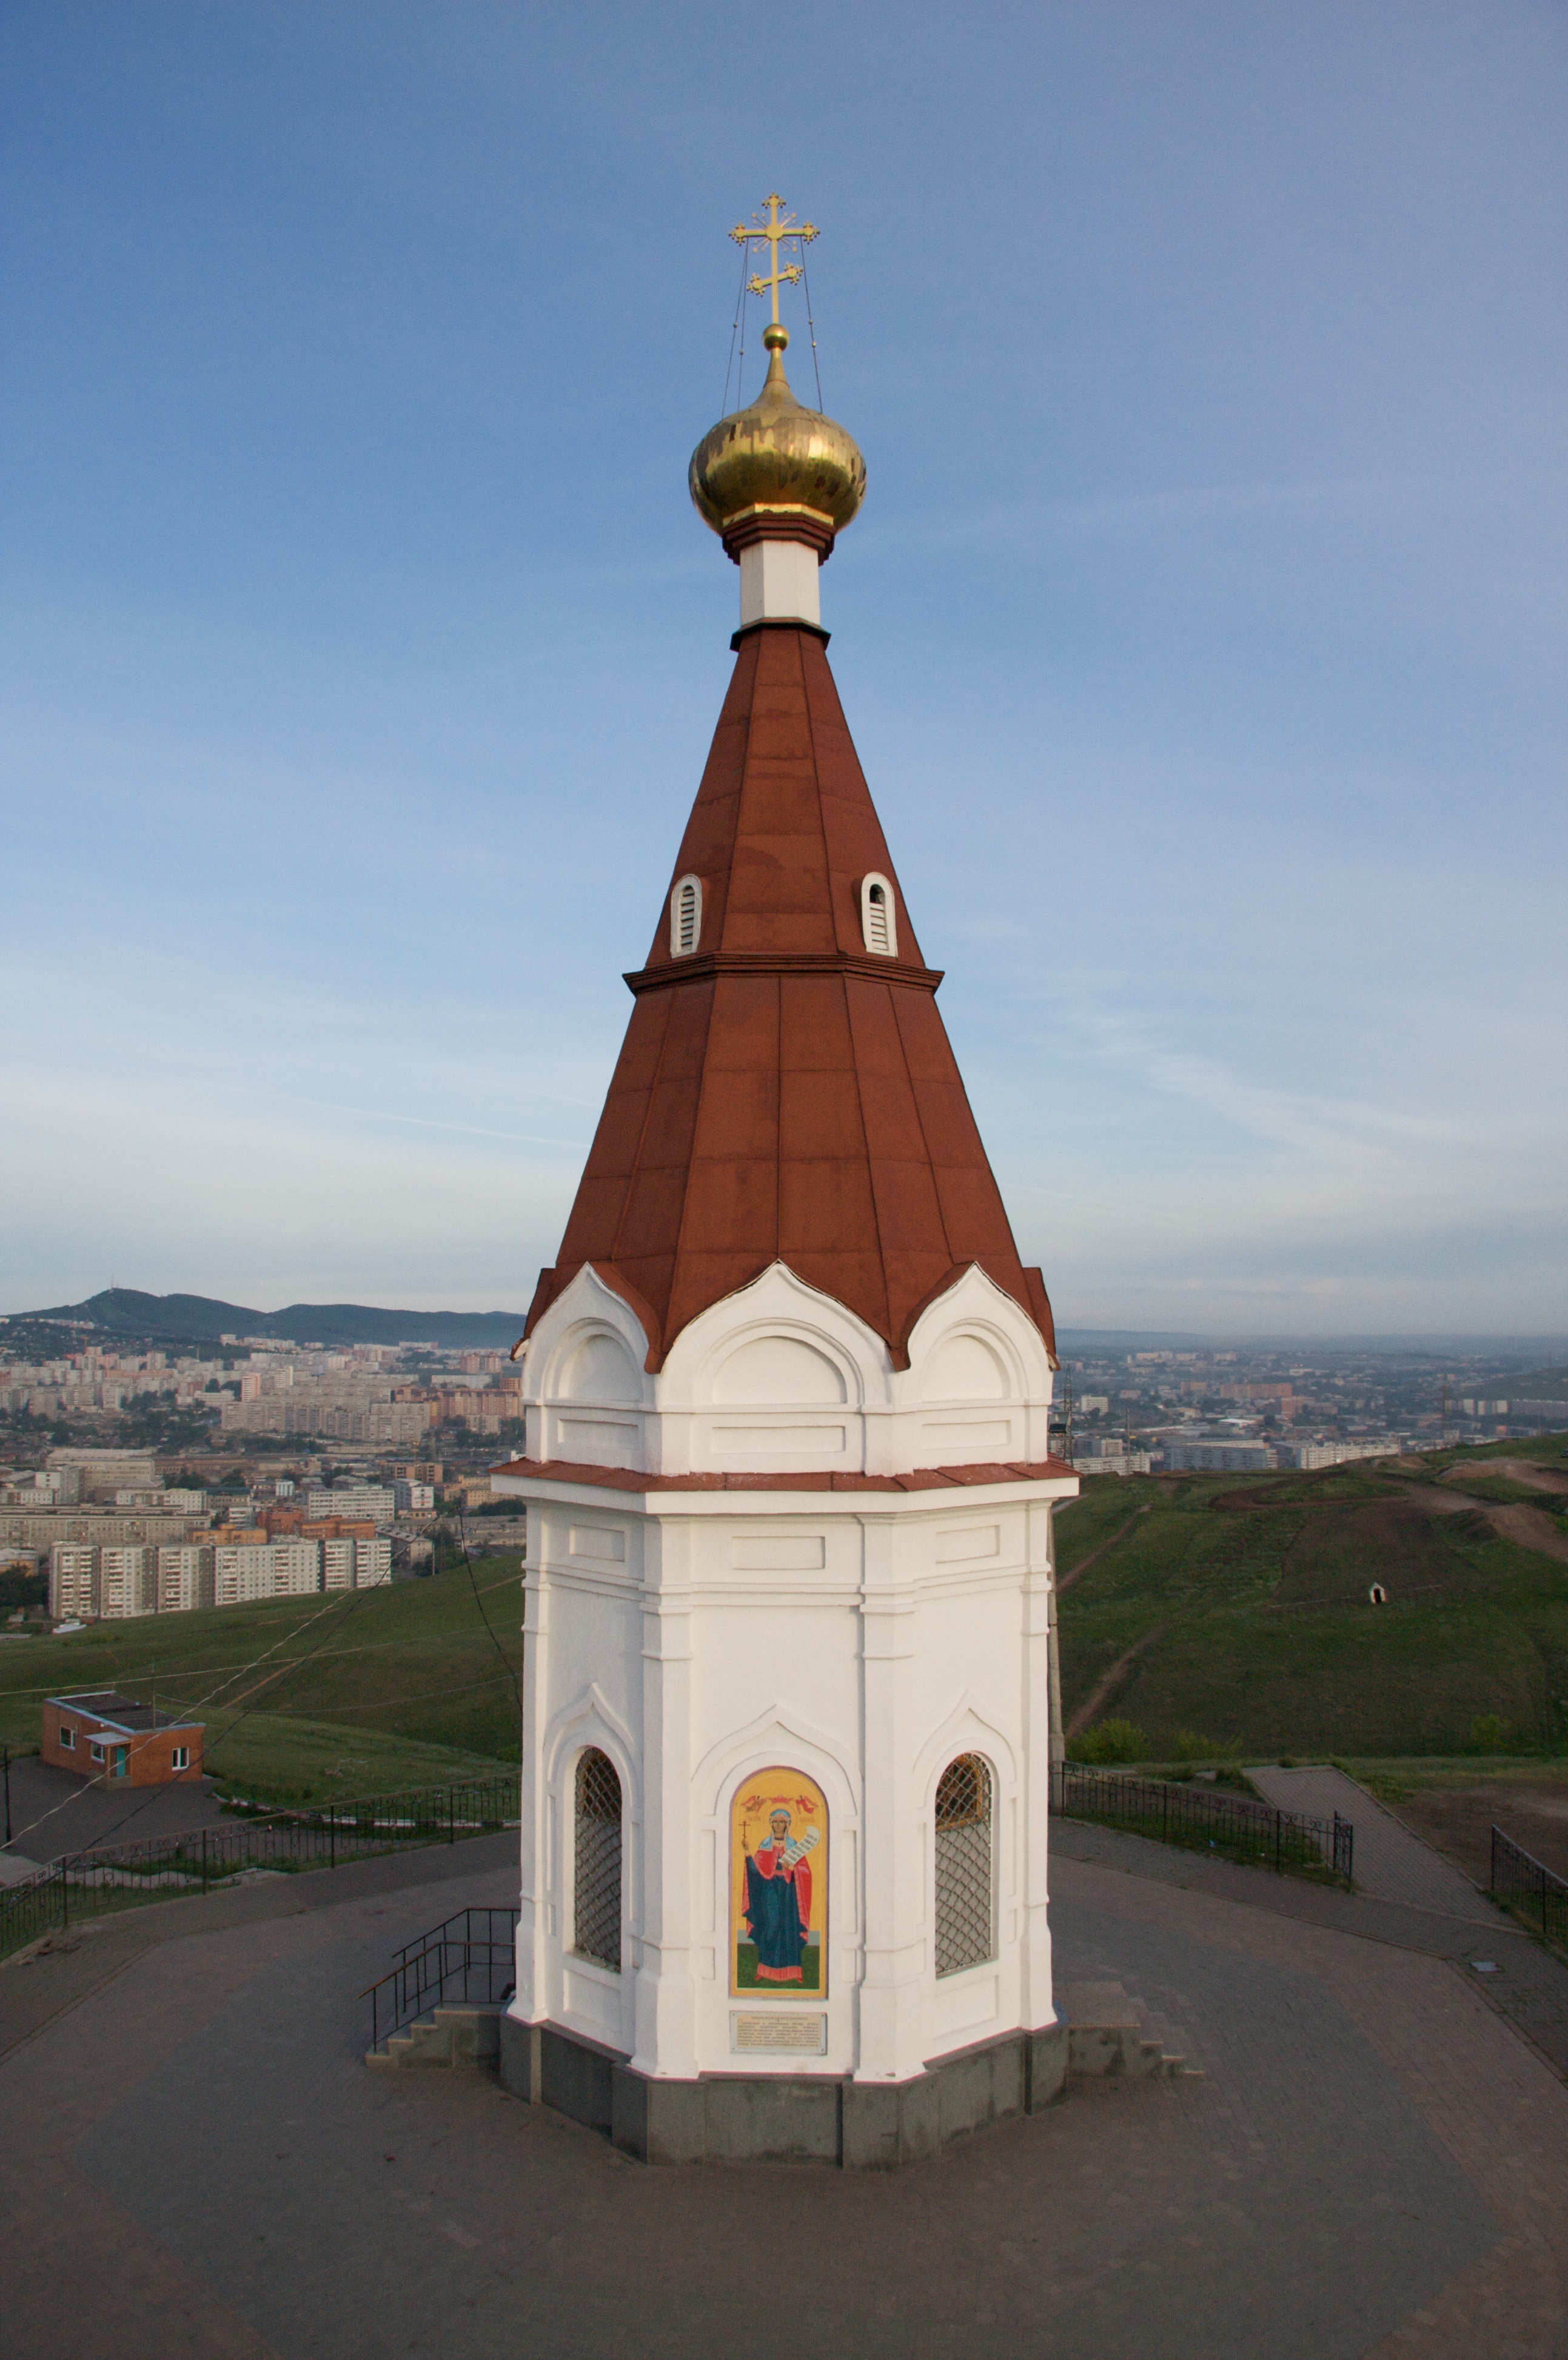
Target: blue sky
1201,634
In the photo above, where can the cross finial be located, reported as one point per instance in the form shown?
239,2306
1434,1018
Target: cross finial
776,232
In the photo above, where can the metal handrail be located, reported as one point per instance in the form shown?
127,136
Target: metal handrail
432,1960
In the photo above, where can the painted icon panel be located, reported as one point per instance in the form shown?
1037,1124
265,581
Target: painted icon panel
779,1886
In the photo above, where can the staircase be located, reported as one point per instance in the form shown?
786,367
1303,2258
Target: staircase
1107,2035
450,2036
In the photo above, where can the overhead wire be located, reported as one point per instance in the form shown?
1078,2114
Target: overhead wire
806,284
206,1671
202,1702
354,1600
462,1542
735,330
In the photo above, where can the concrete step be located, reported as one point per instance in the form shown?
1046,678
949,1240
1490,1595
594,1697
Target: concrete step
1107,2034
452,2036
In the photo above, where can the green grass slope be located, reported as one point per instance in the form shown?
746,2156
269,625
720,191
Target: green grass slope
1248,1606
303,1697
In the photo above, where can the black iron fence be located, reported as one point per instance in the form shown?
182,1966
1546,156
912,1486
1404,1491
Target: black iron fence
280,1843
475,1950
1204,1821
1527,1884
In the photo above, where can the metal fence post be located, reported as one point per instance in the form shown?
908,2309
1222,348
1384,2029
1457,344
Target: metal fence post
451,1814
64,1896
203,1860
332,1846
1278,1836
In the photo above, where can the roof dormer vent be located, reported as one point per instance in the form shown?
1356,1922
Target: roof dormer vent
878,923
685,917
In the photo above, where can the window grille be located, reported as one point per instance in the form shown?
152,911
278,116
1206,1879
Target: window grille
878,926
685,917
966,1929
596,1910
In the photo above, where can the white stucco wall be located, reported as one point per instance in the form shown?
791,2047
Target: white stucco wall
864,1637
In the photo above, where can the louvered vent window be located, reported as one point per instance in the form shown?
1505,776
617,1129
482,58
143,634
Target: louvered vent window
878,926
965,1926
596,1900
685,917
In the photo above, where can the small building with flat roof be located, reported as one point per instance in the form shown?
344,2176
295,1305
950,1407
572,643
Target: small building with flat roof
101,1734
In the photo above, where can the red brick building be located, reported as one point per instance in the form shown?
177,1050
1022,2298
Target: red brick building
101,1734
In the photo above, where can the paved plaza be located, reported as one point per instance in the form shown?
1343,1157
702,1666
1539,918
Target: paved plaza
1374,2162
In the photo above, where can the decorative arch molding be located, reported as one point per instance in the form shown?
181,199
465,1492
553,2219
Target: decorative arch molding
776,1304
590,1720
967,1729
969,1303
587,1307
555,1289
778,1730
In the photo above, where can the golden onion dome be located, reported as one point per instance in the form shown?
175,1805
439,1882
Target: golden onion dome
777,459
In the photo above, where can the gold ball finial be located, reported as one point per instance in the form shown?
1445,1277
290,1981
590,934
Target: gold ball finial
777,468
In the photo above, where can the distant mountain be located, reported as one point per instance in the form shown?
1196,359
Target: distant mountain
124,1312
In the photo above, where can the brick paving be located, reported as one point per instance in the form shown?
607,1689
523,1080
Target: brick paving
1392,1864
1375,2168
1528,1987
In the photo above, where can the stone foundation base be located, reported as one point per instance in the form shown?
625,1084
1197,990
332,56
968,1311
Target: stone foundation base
784,2118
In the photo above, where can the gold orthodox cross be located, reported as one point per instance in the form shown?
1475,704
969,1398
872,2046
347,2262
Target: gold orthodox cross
774,232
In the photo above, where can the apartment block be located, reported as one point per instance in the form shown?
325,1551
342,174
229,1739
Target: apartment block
73,1580
244,1572
127,1581
1219,1458
356,1564
185,1579
1332,1454
360,1499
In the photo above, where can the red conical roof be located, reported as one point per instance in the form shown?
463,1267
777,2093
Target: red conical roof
783,1094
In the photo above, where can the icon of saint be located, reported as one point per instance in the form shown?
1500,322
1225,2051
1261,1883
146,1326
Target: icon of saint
778,1900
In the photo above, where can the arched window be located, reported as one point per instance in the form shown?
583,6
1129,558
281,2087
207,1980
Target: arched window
878,920
685,917
966,1916
596,1901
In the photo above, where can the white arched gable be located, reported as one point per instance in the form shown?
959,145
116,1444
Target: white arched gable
588,1336
972,1329
776,1343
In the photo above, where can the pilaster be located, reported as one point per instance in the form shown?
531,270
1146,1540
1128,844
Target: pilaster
533,1927
891,2025
664,2002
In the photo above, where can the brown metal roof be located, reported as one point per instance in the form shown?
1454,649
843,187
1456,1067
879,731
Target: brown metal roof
783,1095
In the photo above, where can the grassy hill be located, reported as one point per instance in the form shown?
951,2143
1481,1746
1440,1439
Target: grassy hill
1215,1616
307,1697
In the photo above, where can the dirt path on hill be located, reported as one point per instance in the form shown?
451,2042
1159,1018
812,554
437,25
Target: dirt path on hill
1065,1581
1517,1470
1529,1528
1105,1686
